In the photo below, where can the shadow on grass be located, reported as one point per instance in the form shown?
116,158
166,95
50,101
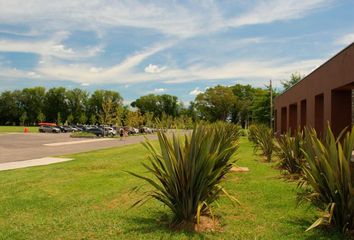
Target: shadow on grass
321,233
158,223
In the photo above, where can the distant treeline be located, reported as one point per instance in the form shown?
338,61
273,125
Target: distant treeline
240,104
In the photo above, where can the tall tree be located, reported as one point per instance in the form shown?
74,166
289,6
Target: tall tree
56,104
216,103
99,97
241,112
157,104
77,100
10,107
261,105
32,100
294,78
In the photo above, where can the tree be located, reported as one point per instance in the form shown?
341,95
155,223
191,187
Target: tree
77,101
23,118
70,119
41,117
93,119
97,99
148,117
216,103
107,112
59,120
133,119
10,107
241,111
32,101
83,118
157,104
56,104
294,78
261,105
118,116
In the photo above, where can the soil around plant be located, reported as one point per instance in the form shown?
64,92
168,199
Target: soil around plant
206,224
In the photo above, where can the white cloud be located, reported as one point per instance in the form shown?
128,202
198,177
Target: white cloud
85,84
172,18
48,47
159,90
345,40
195,92
151,68
276,10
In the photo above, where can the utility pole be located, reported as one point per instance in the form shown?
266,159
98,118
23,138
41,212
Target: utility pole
271,104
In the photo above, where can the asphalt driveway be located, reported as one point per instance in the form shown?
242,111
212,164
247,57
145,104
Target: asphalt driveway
26,146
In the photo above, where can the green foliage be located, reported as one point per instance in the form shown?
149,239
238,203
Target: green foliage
252,130
70,119
216,103
261,105
264,140
329,174
290,151
189,170
23,118
158,104
294,78
41,117
82,135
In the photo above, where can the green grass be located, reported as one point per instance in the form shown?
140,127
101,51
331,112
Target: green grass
82,135
11,129
90,198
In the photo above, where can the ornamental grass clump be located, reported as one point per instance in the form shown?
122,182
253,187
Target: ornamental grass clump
330,177
187,171
263,138
290,153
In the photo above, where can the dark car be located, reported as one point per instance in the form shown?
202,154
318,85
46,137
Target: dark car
97,131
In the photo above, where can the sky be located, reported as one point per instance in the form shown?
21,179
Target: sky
174,47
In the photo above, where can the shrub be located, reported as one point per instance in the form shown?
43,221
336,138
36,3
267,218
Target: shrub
329,174
290,152
188,170
252,133
263,138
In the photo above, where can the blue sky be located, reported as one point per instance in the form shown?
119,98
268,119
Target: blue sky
174,47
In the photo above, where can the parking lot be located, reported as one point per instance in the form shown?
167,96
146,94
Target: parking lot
26,146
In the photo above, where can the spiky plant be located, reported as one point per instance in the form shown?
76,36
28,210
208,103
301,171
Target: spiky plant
328,172
264,140
188,170
289,151
252,129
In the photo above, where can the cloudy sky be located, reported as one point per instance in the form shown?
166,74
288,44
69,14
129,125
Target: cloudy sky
176,47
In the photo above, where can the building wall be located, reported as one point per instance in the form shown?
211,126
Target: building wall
326,92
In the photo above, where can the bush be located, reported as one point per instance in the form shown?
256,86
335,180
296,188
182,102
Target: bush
290,152
252,133
263,138
188,170
327,171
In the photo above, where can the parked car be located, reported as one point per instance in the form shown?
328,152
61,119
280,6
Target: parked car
110,131
49,129
146,130
95,130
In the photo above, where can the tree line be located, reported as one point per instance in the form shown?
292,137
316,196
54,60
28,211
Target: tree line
240,104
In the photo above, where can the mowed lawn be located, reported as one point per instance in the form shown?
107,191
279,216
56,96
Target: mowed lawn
90,198
11,129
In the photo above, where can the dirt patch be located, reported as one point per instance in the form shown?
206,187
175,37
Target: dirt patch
240,169
206,224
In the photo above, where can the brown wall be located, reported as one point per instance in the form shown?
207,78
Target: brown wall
334,81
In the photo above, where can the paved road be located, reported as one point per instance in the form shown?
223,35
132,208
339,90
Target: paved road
25,146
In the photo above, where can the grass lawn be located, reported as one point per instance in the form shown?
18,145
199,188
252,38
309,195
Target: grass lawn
89,198
10,129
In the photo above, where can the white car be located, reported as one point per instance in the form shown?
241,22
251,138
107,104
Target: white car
110,131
